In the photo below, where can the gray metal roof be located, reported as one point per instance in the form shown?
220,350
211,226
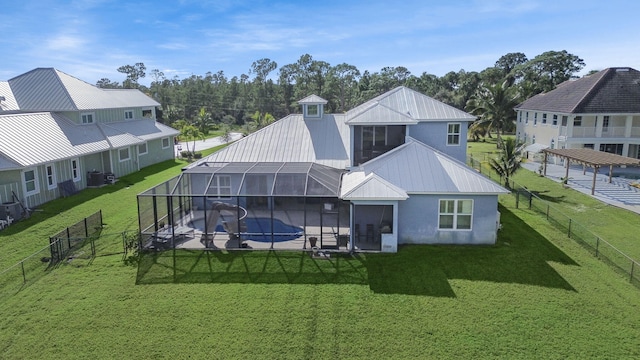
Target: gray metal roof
323,141
59,138
48,89
7,100
403,100
418,168
357,185
56,138
8,164
312,99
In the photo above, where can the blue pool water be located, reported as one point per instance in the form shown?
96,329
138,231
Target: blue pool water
259,229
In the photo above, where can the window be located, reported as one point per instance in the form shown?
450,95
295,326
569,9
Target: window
588,146
544,119
87,118
455,214
220,186
165,143
519,116
577,121
564,120
526,117
75,170
142,149
605,123
535,119
147,113
312,110
128,114
453,134
533,139
123,154
555,120
374,137
30,178
51,177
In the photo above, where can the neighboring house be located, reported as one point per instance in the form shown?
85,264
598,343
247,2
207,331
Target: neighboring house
60,135
600,111
390,171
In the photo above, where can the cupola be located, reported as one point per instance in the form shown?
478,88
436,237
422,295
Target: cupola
312,107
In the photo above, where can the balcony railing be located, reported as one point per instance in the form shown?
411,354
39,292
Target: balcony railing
590,132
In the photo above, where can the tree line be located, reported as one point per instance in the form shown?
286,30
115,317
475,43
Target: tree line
255,99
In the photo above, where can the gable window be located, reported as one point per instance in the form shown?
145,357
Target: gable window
165,143
313,111
453,134
51,177
220,187
30,179
124,154
147,113
577,121
455,214
605,123
128,114
87,118
142,149
555,120
75,170
544,119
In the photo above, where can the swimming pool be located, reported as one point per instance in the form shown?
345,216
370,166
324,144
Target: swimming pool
259,229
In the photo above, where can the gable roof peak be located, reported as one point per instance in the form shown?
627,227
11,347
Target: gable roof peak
312,100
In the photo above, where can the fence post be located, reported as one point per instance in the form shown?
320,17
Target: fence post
24,276
86,228
631,272
569,234
530,198
597,245
547,212
68,238
517,198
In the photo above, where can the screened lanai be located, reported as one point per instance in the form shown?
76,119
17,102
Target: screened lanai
237,205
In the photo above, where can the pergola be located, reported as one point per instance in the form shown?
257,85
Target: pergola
589,157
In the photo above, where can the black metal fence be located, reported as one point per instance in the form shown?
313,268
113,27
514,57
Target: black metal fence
75,236
599,247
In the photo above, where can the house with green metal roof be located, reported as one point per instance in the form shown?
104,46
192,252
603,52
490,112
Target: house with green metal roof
600,111
389,172
60,135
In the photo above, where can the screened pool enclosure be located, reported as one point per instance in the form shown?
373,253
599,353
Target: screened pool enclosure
285,205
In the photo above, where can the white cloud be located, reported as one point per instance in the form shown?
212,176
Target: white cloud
65,42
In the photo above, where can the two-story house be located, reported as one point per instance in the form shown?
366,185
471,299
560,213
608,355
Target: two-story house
60,134
600,111
390,171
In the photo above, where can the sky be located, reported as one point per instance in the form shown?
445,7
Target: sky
90,39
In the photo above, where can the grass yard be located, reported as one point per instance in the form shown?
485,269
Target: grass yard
617,226
536,294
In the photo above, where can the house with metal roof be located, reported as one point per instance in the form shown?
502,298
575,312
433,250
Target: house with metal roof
390,171
600,111
60,135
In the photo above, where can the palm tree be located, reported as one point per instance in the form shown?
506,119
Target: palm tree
203,121
494,105
509,160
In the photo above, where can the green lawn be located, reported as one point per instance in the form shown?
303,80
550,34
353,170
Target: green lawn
536,294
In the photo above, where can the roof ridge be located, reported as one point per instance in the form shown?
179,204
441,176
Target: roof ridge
590,92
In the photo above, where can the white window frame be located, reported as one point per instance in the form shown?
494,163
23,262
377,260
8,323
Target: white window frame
25,182
535,119
90,117
454,134
577,121
149,111
146,149
51,177
168,143
456,214
128,115
526,118
75,169
544,119
215,187
317,112
605,123
555,120
120,158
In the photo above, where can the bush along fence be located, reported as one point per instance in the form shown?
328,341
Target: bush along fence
599,247
76,236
